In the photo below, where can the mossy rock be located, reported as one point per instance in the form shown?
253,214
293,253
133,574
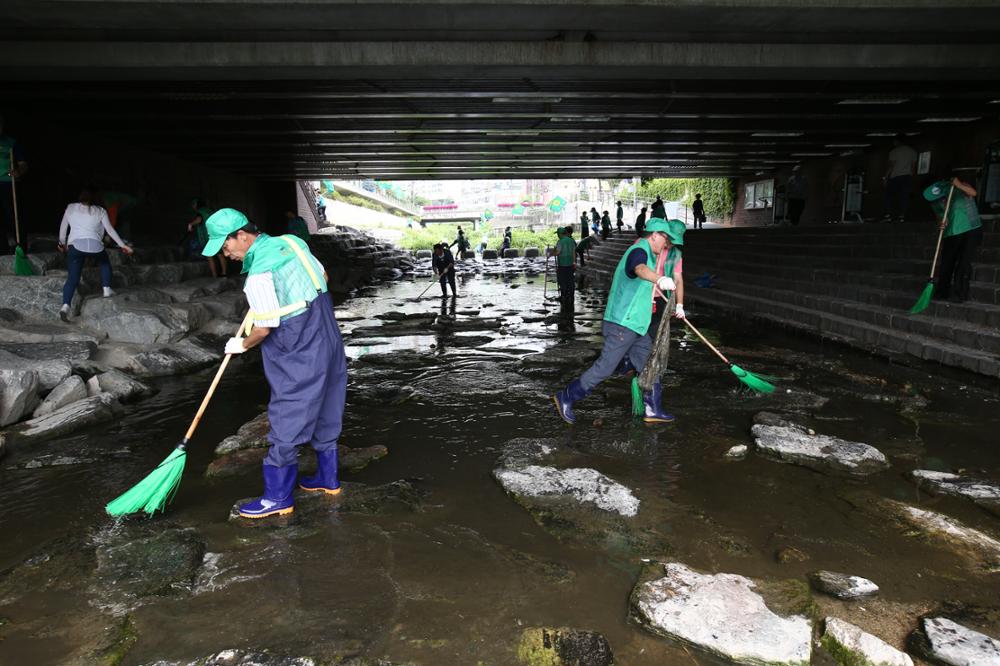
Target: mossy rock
789,596
541,646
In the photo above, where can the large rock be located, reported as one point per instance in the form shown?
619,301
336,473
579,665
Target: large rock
118,384
239,461
18,394
50,372
564,355
72,417
850,645
130,569
951,643
36,297
69,390
723,615
842,586
250,435
256,658
228,304
586,486
54,331
984,493
184,356
141,323
563,647
71,351
795,444
979,548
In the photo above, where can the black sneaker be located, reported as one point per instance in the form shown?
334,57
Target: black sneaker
64,315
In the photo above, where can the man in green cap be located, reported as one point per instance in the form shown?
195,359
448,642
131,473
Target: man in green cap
963,232
646,275
303,355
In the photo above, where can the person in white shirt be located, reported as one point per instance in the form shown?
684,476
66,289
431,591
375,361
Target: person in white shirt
85,223
898,179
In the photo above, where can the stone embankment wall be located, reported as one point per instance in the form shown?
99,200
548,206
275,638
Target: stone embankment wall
848,283
168,316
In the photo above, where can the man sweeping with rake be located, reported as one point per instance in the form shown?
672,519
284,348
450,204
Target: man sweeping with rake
650,269
303,352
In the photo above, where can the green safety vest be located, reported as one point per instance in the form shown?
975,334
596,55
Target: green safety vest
963,215
567,248
296,274
630,303
201,231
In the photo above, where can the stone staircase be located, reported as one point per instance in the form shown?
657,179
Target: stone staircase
847,283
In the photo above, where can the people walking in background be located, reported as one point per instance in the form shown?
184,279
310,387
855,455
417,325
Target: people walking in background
963,232
583,250
796,191
565,251
217,264
584,225
81,235
640,222
461,241
595,221
320,207
620,214
898,179
658,209
698,210
9,172
605,226
297,226
444,267
505,244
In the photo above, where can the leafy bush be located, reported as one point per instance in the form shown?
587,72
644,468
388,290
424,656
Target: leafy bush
419,238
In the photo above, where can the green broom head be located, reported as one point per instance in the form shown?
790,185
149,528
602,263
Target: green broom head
638,406
153,493
924,300
21,264
756,382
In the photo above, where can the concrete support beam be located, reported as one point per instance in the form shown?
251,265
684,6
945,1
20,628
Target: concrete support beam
429,60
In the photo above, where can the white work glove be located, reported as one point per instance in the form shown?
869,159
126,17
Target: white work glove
666,283
235,346
679,311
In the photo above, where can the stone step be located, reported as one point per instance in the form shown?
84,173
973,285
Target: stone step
971,336
869,337
904,287
896,293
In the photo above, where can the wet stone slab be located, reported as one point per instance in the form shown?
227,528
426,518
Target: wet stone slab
842,586
846,642
982,492
793,443
563,646
951,643
722,614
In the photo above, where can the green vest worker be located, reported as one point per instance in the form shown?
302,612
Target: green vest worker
652,264
963,232
303,355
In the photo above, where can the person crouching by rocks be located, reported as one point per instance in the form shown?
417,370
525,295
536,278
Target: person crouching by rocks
444,267
651,267
304,362
81,235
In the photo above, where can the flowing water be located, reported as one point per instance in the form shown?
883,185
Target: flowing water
457,572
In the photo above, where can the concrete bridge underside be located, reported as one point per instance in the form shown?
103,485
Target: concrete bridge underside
442,89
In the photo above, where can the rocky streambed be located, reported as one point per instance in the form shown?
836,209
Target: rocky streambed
850,516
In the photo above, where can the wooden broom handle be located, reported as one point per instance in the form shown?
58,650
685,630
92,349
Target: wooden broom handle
705,340
13,196
215,382
937,250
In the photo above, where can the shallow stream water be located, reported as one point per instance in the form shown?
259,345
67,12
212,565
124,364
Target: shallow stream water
456,577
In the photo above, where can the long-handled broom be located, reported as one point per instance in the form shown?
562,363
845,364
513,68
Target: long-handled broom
756,382
154,492
928,292
430,284
21,264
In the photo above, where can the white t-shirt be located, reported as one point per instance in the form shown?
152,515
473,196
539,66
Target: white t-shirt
261,296
87,226
903,158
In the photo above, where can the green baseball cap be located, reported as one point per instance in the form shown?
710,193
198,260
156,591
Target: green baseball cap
220,224
674,229
936,191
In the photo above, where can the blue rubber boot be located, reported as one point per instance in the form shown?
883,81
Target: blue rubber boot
564,400
326,474
654,412
279,483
